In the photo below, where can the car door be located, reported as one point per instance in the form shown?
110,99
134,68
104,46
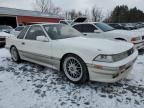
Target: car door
39,51
19,39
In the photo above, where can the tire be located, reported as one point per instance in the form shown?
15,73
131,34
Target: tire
15,55
75,69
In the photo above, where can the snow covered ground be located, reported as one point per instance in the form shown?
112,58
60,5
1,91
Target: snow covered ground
28,85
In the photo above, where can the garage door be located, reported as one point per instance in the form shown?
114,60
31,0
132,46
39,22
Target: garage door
11,21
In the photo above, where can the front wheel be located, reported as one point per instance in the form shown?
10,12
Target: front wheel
14,54
75,69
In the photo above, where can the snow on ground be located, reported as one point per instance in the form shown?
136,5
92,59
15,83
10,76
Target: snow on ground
27,85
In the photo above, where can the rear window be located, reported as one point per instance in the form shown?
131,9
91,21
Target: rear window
19,28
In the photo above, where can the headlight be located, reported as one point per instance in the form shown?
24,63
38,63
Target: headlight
104,58
135,39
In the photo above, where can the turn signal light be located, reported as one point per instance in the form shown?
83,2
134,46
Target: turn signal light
98,66
133,39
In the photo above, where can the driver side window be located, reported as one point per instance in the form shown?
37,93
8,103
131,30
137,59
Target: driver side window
33,32
88,28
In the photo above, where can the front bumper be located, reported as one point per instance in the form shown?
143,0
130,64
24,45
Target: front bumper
109,75
139,45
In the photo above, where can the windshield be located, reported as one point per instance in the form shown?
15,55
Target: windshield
104,27
61,31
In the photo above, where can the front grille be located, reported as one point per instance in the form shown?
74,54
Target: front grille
2,39
123,55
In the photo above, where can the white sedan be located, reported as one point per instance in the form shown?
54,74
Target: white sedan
81,59
102,30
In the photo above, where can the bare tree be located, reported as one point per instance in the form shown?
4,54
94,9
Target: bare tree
96,14
73,14
66,15
46,6
108,17
56,10
87,14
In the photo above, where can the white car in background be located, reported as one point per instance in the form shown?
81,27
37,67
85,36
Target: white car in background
71,22
102,30
17,30
6,28
81,59
3,36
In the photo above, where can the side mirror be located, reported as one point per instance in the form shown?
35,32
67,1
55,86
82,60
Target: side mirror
97,31
42,38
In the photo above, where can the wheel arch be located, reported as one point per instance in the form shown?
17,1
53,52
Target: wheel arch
65,55
12,46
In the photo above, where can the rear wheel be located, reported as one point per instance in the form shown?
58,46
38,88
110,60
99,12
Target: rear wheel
14,54
75,69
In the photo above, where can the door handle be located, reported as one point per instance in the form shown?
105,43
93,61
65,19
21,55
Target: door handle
23,43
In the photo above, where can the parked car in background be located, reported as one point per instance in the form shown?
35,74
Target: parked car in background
6,28
102,30
127,26
118,26
139,25
66,49
71,22
17,30
66,22
3,37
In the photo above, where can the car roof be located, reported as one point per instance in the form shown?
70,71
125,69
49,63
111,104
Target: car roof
44,24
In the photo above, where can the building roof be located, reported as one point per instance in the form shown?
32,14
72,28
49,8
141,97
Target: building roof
20,12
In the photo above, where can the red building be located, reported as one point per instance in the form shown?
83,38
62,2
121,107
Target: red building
16,17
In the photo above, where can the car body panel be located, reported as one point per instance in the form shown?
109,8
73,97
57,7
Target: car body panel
114,34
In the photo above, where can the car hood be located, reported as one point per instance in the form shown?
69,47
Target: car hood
125,33
3,34
104,46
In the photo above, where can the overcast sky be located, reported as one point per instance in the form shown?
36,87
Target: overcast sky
105,5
